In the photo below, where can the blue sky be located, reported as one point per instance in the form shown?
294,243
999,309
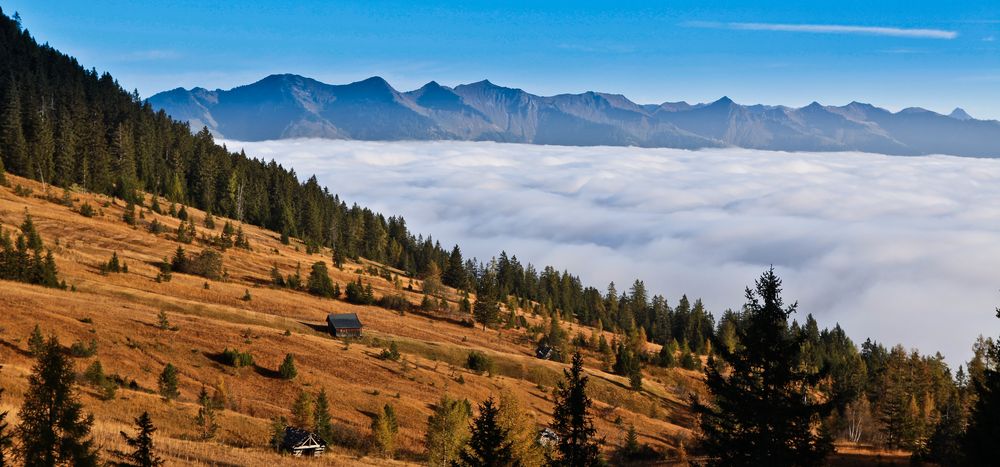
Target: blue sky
933,54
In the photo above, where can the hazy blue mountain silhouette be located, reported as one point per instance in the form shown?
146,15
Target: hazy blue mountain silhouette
291,106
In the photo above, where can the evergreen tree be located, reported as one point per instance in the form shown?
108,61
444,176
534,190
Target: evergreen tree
319,282
762,412
384,428
287,369
486,311
322,421
36,343
167,382
143,451
278,426
983,431
53,429
6,438
205,420
454,274
627,365
303,411
489,445
15,143
447,431
578,445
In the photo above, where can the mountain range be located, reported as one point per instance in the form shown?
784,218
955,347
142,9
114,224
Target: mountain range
292,106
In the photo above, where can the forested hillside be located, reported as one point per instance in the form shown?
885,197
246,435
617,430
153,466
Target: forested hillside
117,188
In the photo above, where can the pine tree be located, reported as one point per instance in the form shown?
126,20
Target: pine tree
205,420
167,382
36,343
287,369
322,421
278,426
983,431
489,445
53,429
129,214
447,431
762,413
15,144
384,430
486,311
319,282
6,438
143,451
571,420
454,274
42,145
303,411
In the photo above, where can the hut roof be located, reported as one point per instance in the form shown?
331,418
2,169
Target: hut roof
344,320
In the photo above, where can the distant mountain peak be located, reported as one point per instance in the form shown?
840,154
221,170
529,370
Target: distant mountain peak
724,100
292,106
960,114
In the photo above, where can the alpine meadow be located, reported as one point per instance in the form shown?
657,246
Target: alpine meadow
226,277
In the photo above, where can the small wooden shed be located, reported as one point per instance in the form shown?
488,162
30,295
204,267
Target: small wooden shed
302,443
344,324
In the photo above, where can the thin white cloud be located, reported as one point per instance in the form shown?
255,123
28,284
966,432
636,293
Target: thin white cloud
900,249
834,29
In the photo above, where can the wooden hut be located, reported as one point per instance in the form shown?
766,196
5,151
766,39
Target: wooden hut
344,325
302,443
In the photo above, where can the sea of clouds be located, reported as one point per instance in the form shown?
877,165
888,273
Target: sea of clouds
900,249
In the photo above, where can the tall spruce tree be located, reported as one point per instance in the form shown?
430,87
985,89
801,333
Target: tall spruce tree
143,451
6,438
53,429
322,421
983,431
578,445
489,445
762,412
14,141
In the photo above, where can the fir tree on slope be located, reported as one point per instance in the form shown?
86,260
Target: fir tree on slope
983,431
761,413
489,445
578,445
53,429
143,454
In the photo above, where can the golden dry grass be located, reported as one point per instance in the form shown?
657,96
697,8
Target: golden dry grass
123,310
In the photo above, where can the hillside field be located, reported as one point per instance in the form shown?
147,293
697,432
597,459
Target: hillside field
120,311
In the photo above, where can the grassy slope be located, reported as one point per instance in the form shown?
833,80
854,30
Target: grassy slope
123,308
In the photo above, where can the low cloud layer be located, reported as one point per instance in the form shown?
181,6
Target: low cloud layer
901,249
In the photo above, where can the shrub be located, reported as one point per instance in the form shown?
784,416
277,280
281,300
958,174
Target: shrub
86,210
207,264
394,302
360,294
156,227
112,266
81,350
390,353
479,362
236,358
94,376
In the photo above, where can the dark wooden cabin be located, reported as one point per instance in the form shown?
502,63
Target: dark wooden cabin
344,325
